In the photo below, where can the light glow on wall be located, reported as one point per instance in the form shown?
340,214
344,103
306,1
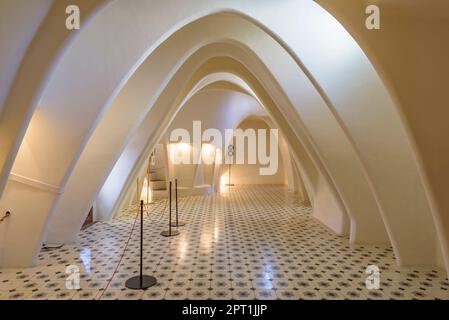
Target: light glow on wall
146,194
208,153
178,151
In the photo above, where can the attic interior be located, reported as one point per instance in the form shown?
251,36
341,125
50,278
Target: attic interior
289,150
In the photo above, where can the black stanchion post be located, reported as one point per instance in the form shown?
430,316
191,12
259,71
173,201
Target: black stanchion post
141,243
178,223
169,233
176,200
141,281
169,216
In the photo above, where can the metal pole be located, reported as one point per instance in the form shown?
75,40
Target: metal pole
169,232
176,199
148,188
148,180
141,243
169,219
141,281
137,192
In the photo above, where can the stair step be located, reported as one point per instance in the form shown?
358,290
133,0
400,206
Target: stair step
157,175
158,184
159,194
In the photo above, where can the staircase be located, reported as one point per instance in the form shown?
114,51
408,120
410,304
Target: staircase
157,173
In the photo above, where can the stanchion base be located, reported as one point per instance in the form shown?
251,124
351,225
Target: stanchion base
168,234
134,282
180,224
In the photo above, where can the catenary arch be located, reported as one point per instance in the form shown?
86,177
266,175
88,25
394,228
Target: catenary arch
292,177
227,82
366,207
374,227
116,193
218,101
230,82
111,197
420,206
34,65
158,119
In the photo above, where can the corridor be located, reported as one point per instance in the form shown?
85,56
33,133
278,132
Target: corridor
252,242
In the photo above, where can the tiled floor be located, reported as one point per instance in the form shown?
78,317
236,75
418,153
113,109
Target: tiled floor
251,243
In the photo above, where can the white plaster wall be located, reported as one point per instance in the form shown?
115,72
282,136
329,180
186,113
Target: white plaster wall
50,40
247,174
18,25
410,53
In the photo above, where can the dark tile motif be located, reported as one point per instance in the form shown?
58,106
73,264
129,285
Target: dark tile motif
255,242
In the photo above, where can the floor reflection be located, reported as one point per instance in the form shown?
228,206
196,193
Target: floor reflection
255,242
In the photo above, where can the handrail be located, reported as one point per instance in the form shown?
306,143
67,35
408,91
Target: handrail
7,214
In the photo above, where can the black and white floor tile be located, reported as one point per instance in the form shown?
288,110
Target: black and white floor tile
250,243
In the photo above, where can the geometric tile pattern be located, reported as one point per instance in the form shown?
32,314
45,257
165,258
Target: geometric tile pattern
254,242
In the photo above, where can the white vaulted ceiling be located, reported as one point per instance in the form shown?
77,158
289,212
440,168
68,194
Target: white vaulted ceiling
125,74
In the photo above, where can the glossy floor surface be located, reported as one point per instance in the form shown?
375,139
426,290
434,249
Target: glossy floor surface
250,243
